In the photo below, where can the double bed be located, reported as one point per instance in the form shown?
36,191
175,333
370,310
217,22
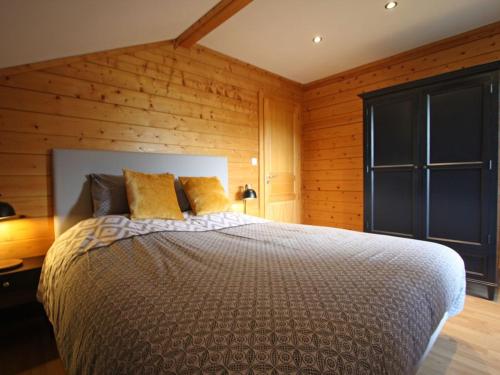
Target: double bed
228,293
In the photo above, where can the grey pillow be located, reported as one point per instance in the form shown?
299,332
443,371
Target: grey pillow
109,195
181,196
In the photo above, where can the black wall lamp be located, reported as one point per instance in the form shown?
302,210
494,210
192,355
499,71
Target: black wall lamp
248,193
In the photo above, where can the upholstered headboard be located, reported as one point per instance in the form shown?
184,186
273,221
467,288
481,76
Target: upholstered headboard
72,201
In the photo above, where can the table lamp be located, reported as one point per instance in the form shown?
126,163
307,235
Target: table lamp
248,193
8,212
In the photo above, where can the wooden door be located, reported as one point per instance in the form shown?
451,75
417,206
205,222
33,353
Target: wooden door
391,186
281,149
459,171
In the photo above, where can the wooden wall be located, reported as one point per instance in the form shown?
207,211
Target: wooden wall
332,176
151,98
155,98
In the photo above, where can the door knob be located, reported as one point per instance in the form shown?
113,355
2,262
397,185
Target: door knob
269,177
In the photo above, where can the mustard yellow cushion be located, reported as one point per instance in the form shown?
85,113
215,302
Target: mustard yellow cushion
151,196
205,194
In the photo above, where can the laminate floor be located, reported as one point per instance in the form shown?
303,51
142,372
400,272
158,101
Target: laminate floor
469,343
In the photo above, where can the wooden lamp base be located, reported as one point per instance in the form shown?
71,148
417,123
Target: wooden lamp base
8,264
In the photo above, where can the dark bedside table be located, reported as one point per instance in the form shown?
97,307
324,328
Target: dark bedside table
27,343
19,286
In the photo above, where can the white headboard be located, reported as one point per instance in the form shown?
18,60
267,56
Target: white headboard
70,168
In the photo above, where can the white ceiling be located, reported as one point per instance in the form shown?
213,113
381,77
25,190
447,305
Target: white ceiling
272,34
38,30
276,34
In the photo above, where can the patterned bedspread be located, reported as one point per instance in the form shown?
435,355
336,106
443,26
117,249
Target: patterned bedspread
232,294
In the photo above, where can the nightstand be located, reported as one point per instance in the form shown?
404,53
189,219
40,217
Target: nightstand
27,343
19,286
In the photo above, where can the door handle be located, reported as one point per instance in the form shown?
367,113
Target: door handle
269,178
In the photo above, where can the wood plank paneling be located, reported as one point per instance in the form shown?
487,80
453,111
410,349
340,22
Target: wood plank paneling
332,120
155,98
26,165
179,85
72,87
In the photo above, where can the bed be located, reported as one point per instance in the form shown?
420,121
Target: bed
229,293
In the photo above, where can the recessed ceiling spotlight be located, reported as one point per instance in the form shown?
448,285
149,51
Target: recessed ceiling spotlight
391,5
317,39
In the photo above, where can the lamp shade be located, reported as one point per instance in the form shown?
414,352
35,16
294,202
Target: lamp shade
249,193
6,210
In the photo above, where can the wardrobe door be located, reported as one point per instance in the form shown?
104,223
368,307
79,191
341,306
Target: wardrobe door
391,183
459,171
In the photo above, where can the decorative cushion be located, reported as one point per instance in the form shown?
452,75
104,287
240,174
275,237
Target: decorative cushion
181,196
109,196
205,194
151,196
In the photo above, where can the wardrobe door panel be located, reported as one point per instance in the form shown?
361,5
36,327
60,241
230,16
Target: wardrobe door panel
454,205
393,132
391,184
459,171
393,202
457,128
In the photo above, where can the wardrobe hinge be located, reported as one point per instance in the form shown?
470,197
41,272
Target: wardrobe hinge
490,165
491,88
367,169
489,239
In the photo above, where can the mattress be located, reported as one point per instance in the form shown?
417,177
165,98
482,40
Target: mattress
232,294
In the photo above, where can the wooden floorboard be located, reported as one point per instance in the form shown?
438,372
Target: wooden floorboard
468,345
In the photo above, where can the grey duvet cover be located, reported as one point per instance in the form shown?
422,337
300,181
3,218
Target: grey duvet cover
244,296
